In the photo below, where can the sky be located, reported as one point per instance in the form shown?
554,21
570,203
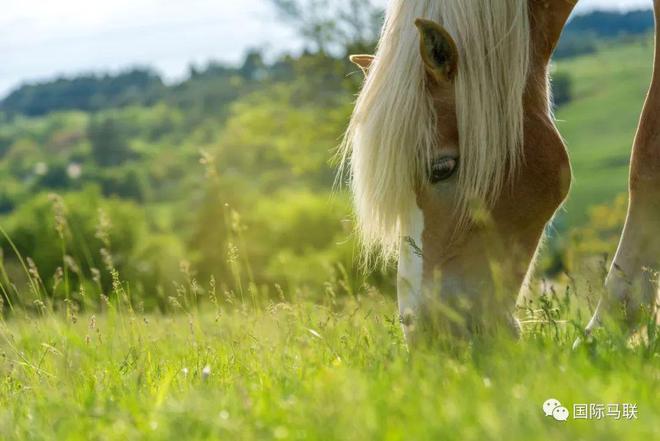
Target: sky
42,39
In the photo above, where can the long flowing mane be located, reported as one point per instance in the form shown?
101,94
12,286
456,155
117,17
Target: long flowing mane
392,132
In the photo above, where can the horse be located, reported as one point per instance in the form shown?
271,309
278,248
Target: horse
456,165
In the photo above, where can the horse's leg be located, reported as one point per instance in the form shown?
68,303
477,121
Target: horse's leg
631,284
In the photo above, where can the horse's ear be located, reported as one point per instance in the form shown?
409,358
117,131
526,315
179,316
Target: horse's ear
438,50
364,62
548,20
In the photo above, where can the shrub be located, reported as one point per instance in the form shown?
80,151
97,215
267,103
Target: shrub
80,239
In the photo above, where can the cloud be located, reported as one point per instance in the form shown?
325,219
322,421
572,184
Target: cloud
614,4
41,39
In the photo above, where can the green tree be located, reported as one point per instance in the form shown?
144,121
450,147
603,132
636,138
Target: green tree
109,141
562,88
337,25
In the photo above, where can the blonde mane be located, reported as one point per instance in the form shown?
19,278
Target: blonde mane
392,132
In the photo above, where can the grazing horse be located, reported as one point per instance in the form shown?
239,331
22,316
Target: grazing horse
456,165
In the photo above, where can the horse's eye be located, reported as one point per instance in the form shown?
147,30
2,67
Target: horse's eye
443,169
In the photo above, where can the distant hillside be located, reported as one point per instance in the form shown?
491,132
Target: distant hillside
89,92
608,24
599,123
584,32
211,89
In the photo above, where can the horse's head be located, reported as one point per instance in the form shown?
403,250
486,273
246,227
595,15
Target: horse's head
485,168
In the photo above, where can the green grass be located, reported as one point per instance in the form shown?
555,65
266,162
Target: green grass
599,124
304,371
337,368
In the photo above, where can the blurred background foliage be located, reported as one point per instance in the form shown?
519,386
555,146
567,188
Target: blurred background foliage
228,175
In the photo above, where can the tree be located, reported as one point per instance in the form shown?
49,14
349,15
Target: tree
254,67
89,92
337,25
109,142
562,88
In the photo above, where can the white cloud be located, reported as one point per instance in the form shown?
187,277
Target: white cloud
43,38
618,4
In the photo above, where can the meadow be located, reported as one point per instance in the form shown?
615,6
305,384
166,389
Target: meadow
599,123
176,265
330,370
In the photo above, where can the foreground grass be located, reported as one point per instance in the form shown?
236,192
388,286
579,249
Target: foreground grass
307,372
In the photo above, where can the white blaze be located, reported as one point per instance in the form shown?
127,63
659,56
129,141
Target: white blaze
410,270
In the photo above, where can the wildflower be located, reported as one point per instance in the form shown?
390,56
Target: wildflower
206,372
184,371
74,170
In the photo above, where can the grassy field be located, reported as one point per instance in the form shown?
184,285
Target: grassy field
328,366
304,371
599,124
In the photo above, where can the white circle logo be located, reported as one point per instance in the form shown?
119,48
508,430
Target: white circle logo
552,407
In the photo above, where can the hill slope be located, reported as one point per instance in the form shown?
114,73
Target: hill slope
599,124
